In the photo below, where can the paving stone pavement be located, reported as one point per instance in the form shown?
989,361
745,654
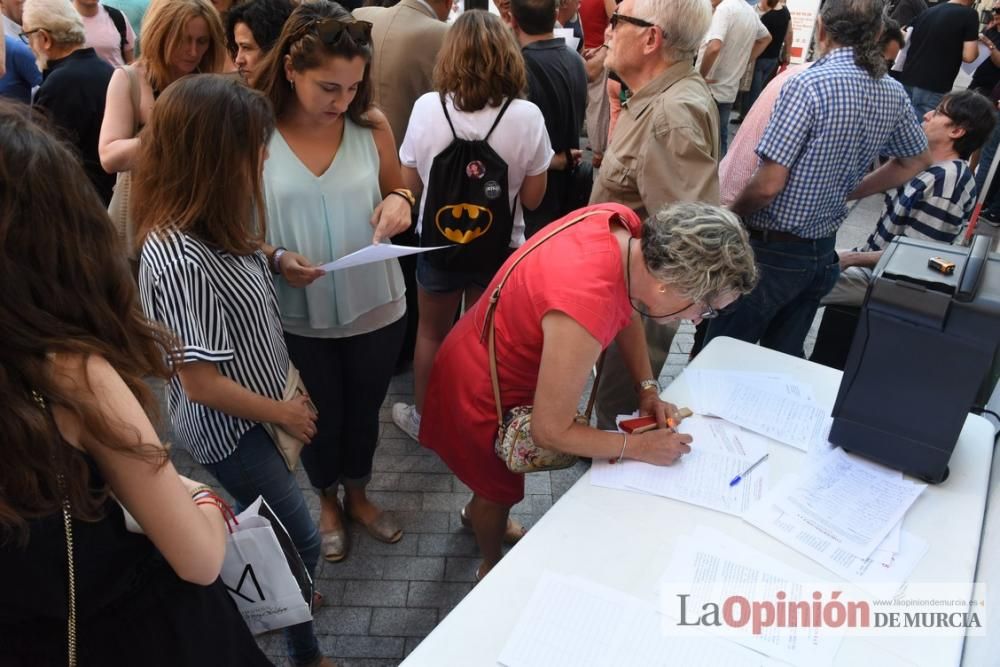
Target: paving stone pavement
383,599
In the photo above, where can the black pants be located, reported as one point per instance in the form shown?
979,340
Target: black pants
347,379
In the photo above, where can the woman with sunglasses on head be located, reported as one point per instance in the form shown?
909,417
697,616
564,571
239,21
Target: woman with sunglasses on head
333,186
587,285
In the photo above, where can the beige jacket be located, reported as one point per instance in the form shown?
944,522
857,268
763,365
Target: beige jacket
406,39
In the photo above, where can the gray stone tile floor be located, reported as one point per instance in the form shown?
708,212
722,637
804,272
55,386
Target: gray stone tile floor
383,599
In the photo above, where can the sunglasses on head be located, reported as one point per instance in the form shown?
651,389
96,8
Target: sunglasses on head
331,31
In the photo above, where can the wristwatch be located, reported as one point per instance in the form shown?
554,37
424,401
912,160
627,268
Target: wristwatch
647,384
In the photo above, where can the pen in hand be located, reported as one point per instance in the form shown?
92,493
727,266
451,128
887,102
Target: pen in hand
736,480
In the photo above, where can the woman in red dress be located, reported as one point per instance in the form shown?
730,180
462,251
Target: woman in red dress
585,287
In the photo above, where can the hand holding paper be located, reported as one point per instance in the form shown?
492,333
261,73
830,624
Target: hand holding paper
297,270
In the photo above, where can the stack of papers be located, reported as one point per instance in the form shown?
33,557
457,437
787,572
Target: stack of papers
845,513
570,622
719,452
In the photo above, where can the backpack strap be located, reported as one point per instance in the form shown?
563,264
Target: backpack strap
444,107
490,328
499,116
119,20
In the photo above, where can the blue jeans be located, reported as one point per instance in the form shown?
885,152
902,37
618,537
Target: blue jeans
763,69
794,276
724,109
923,100
256,469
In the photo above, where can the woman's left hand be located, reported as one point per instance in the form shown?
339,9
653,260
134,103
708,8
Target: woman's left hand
391,217
650,404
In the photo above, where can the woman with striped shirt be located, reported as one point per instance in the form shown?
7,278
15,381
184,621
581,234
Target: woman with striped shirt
203,274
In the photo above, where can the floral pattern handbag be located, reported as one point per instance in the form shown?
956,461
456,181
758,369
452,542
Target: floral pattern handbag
514,445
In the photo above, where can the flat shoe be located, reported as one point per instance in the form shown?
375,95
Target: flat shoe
515,531
334,544
384,528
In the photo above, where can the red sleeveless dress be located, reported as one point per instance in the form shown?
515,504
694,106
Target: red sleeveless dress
578,272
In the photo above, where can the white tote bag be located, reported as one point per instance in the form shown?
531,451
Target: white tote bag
264,573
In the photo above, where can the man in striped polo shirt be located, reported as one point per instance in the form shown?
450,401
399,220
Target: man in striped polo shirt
936,203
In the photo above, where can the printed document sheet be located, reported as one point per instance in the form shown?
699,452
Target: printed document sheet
719,452
839,506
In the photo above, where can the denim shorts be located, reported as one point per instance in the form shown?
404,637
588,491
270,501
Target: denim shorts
440,281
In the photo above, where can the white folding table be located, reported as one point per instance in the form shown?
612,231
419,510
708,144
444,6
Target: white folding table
624,540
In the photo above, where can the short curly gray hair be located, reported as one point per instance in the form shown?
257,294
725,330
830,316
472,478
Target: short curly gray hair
700,250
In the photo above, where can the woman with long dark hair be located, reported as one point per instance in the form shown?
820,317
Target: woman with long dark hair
73,408
203,273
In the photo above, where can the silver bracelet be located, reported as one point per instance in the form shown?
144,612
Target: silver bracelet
621,455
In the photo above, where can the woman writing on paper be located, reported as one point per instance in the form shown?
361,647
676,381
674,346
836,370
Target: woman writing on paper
203,274
73,411
565,302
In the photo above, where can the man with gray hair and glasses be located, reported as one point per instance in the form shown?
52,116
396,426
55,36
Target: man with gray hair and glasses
829,124
665,149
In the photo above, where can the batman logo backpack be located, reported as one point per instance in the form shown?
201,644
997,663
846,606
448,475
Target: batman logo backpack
467,206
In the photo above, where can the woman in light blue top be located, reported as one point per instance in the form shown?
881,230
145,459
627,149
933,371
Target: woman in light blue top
333,185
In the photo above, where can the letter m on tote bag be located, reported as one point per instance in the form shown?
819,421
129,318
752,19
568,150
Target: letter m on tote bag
264,573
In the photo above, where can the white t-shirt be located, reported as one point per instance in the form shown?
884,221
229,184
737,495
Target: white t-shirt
520,140
737,25
103,36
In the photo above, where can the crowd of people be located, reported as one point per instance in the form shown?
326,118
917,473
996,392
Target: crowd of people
168,199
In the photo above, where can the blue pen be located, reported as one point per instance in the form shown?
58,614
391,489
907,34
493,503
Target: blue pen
736,480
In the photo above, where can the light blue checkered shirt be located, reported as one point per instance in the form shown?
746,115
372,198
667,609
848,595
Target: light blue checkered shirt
828,125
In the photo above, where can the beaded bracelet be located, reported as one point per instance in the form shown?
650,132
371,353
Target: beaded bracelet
276,259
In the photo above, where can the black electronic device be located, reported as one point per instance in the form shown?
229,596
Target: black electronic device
922,353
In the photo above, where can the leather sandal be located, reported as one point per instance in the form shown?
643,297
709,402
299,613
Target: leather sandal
334,544
512,535
384,528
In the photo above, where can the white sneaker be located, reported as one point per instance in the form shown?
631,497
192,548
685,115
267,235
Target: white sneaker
406,417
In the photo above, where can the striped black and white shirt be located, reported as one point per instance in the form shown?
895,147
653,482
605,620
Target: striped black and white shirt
224,310
934,205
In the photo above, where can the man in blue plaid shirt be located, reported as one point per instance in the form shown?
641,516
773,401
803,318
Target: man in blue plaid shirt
829,124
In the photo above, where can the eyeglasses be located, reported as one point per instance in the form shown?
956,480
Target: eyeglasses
25,36
331,31
710,312
617,18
